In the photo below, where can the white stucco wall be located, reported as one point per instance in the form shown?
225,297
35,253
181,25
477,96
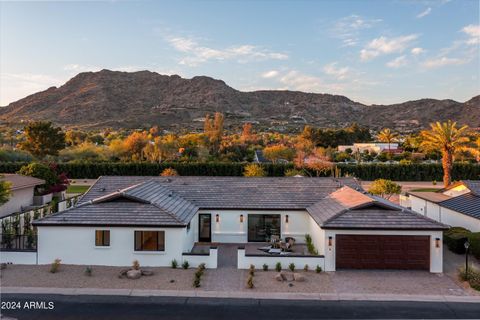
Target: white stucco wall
244,262
76,245
229,229
210,260
436,254
20,198
18,257
444,215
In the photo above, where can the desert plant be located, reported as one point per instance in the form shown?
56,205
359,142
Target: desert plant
88,271
473,277
185,265
174,264
291,266
55,265
265,267
318,269
310,246
196,282
278,267
135,265
251,270
201,266
305,268
250,284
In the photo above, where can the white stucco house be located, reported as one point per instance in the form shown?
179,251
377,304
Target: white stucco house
157,219
456,206
377,147
22,192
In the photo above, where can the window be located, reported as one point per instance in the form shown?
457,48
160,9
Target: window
149,240
102,238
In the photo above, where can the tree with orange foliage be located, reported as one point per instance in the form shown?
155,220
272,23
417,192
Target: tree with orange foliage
135,143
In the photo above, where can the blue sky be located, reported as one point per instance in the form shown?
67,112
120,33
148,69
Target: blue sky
371,51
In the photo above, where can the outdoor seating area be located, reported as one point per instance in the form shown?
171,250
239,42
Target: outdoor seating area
276,248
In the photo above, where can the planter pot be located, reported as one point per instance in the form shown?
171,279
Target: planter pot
42,200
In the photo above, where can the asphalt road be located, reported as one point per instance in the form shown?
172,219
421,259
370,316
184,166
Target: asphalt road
116,307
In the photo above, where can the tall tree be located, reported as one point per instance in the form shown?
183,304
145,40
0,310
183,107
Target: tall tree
214,130
43,139
388,136
385,188
448,139
5,190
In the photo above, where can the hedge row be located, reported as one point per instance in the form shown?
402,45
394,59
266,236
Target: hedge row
411,172
455,238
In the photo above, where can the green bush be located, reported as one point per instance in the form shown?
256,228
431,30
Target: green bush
291,266
404,172
185,265
455,238
265,267
474,239
278,267
318,269
174,264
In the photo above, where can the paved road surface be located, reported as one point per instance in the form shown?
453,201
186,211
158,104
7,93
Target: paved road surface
115,307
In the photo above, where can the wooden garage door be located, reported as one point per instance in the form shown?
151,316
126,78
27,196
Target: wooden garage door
382,252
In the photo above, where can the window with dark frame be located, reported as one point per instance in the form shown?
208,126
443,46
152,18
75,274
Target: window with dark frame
149,240
102,238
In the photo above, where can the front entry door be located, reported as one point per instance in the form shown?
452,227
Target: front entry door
205,227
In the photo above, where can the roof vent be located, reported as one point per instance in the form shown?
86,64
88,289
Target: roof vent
170,194
103,189
168,180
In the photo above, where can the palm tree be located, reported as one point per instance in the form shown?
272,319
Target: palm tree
388,136
448,139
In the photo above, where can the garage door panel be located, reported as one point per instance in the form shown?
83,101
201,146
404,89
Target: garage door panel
382,252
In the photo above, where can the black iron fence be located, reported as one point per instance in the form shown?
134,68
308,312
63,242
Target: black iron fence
16,242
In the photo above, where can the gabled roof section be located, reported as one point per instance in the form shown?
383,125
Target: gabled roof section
473,186
19,181
468,204
350,198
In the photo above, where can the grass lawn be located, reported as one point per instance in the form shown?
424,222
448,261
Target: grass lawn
77,189
425,190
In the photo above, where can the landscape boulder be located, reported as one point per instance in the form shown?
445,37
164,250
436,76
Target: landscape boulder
279,277
147,272
134,274
299,277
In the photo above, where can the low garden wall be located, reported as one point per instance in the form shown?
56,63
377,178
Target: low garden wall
258,260
195,259
18,257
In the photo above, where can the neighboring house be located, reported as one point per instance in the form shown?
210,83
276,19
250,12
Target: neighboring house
259,158
376,147
456,206
22,188
158,219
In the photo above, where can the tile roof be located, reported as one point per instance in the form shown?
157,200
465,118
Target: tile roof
468,204
473,186
173,201
19,182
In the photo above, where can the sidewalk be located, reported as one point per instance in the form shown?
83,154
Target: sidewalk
241,295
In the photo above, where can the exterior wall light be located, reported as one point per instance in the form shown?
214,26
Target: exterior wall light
286,218
217,218
241,218
330,241
437,242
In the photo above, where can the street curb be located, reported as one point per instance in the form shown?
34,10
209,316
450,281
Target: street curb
240,295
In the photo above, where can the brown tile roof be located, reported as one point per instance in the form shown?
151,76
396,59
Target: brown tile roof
19,182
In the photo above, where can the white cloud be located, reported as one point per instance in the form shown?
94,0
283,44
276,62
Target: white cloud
473,31
416,51
384,45
348,28
424,13
332,70
14,86
397,62
442,61
197,54
295,80
270,74
77,68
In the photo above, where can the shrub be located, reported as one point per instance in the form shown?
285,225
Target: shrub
474,239
265,267
174,264
185,265
198,275
455,238
251,270
305,268
88,271
278,267
310,246
250,282
201,266
473,277
196,282
135,265
55,265
318,269
169,172
254,170
291,266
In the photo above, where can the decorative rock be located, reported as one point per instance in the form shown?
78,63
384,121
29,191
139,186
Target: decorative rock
287,276
279,277
134,274
123,273
298,277
147,272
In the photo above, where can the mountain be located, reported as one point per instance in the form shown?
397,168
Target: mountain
93,100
